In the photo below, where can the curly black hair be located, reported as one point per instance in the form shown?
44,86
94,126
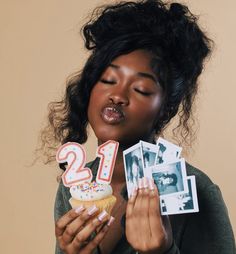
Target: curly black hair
178,46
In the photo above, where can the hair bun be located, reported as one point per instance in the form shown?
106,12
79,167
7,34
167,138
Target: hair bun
177,11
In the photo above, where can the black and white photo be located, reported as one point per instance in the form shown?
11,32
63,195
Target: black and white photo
149,154
167,151
181,203
170,178
133,167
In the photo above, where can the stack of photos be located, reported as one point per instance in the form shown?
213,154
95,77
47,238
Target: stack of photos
162,162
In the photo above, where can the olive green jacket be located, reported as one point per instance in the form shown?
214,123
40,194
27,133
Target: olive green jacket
207,232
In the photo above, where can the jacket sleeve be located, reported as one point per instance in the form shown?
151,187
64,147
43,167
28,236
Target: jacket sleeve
209,231
173,250
61,207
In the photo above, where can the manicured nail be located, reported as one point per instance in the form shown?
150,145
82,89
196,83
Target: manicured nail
140,183
111,220
102,215
92,209
151,184
145,182
133,191
79,209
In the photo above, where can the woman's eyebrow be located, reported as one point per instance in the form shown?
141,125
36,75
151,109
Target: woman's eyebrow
141,74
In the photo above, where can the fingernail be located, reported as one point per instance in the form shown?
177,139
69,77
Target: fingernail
111,220
102,215
145,182
151,184
140,183
92,209
134,191
79,209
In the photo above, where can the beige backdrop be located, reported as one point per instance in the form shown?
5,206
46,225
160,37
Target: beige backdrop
40,46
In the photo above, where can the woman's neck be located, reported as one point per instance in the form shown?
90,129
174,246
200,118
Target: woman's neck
119,171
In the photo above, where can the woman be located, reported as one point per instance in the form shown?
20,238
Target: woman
145,61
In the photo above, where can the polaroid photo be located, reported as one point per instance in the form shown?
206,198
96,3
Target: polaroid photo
167,151
170,178
183,203
133,164
149,154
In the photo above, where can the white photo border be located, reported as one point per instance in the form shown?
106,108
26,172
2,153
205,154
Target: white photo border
194,200
164,168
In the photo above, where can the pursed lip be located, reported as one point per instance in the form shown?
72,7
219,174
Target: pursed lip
112,114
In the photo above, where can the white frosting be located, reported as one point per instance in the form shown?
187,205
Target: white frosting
90,191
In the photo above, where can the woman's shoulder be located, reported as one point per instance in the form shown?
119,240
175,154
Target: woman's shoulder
61,205
209,195
202,179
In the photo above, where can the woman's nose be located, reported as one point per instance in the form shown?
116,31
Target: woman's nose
119,95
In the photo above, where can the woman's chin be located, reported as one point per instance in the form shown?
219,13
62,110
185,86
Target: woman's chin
125,140
123,143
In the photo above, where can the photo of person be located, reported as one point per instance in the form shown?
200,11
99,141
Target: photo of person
146,159
136,170
162,149
183,203
133,167
149,155
167,151
170,178
167,183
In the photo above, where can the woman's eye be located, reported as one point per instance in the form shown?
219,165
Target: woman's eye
142,92
105,81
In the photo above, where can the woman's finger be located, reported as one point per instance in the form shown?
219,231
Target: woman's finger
62,223
130,226
98,238
142,200
86,232
137,224
138,201
131,202
154,197
143,211
74,227
154,210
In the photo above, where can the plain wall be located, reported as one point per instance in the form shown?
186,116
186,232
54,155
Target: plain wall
39,47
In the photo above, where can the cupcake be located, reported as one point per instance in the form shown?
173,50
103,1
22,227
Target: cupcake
93,193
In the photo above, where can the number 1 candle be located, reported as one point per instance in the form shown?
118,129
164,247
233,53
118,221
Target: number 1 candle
107,152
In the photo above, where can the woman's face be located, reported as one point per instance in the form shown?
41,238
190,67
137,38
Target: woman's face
125,102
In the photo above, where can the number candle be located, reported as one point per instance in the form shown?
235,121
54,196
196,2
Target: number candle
107,152
75,155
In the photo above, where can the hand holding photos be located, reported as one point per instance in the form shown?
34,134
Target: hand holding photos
162,162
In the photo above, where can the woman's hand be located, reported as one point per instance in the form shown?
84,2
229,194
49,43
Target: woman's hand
73,230
146,230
